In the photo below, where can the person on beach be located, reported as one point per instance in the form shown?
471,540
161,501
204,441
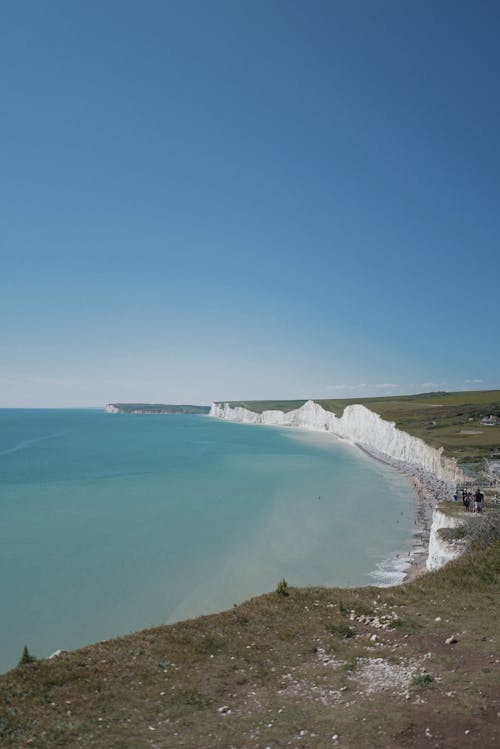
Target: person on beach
467,502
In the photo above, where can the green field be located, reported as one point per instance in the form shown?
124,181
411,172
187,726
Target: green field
440,419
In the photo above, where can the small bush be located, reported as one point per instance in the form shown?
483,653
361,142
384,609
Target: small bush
343,608
350,665
282,588
26,657
342,629
422,680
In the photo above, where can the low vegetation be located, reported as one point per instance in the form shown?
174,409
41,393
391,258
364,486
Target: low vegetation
282,587
26,656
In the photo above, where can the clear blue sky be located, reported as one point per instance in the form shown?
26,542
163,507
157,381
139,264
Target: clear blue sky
219,200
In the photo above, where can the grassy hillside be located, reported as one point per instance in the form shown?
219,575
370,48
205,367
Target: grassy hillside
365,668
449,420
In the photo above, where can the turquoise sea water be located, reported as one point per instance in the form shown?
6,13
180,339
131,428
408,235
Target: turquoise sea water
113,523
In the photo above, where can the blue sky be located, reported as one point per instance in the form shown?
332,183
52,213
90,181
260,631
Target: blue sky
221,200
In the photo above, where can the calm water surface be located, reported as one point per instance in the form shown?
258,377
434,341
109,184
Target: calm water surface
113,523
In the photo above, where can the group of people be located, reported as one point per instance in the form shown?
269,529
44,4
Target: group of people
471,502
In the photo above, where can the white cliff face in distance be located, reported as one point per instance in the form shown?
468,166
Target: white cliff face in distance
357,424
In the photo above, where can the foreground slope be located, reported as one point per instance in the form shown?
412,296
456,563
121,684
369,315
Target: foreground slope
355,668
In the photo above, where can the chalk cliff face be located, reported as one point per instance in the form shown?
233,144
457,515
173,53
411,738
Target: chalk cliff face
357,424
440,550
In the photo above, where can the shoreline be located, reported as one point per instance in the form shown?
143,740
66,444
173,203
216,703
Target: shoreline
431,477
428,491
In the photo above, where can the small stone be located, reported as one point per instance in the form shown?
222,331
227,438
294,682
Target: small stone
224,710
451,640
467,731
373,638
437,619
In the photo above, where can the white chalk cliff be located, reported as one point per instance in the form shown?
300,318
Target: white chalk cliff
442,551
357,424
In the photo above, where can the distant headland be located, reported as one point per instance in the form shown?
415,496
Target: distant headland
154,408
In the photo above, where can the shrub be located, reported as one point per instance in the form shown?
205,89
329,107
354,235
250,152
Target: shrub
422,680
26,657
341,629
282,587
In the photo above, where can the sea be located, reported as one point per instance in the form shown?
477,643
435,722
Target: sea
112,523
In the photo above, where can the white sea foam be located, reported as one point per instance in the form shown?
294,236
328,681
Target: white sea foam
391,571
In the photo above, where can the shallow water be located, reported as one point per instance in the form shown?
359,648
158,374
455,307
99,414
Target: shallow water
112,523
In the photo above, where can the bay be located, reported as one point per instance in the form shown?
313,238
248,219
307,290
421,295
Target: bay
113,523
